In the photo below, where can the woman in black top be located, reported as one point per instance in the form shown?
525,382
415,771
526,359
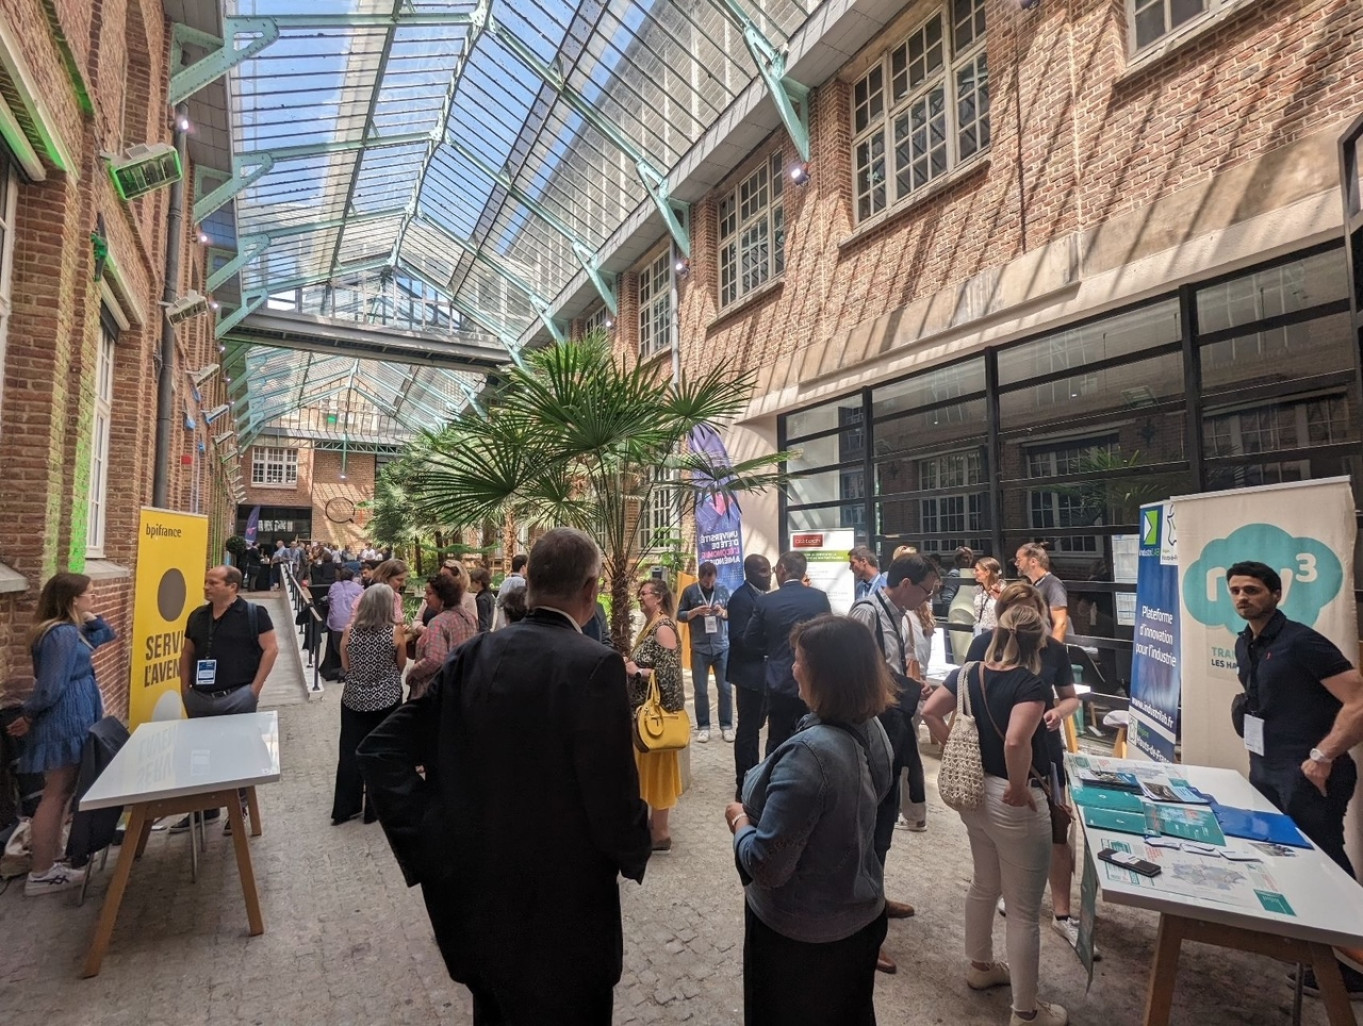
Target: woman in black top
1010,833
1060,705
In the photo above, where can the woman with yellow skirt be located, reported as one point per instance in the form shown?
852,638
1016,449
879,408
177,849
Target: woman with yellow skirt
655,653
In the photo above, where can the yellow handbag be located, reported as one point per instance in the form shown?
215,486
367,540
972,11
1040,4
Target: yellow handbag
656,729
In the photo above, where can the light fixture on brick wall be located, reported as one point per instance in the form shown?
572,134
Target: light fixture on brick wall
222,438
203,374
144,168
191,304
216,412
799,174
682,267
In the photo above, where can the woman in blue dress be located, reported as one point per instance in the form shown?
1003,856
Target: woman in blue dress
64,705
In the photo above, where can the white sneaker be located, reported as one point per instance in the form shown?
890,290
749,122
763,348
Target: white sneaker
728,734
1046,1015
1069,929
703,737
982,979
1002,910
901,823
59,877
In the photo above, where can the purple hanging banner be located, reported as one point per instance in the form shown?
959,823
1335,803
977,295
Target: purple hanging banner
252,523
719,520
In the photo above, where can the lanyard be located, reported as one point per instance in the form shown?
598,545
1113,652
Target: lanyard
213,627
708,601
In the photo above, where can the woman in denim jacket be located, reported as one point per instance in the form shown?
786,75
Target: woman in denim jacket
803,840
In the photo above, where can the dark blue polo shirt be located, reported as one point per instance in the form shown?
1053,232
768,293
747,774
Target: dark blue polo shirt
1281,671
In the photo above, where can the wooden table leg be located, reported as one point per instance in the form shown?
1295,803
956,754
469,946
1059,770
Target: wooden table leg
1071,736
1331,983
1159,999
253,803
147,823
248,876
108,915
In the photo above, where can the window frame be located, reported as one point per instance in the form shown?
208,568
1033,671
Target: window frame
262,459
883,112
101,428
655,302
768,214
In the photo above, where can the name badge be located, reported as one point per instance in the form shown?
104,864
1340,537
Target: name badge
205,673
1254,734
712,625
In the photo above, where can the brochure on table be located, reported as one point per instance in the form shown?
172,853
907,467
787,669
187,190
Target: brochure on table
1185,840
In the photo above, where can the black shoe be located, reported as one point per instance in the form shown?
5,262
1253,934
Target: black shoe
1353,982
180,826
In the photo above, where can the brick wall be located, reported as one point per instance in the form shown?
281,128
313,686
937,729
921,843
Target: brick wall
334,498
120,50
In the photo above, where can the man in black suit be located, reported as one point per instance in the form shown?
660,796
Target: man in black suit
529,807
746,668
768,630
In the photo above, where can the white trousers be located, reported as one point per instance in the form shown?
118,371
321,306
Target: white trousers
1012,851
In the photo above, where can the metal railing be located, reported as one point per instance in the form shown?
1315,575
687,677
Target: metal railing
313,628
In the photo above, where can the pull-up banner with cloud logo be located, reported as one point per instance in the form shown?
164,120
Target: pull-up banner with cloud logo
1305,531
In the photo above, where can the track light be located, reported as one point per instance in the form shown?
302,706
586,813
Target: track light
203,374
191,304
220,439
682,267
215,413
799,174
183,122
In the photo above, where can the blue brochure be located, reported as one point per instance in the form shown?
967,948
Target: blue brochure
1259,826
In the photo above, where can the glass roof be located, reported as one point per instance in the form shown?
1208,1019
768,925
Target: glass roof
474,150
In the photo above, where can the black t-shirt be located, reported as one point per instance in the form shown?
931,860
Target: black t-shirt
1281,671
1055,671
1003,689
229,641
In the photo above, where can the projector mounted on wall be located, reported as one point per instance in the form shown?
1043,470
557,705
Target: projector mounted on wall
191,304
144,168
216,412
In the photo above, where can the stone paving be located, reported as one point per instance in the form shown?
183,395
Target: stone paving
347,943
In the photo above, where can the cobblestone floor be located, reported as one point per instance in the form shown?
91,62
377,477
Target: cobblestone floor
347,943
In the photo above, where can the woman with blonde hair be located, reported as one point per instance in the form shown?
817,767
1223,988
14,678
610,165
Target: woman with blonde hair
64,705
989,577
1010,833
655,655
393,572
373,653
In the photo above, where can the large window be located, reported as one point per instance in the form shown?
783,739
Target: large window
9,190
272,466
752,233
660,521
655,306
922,109
99,440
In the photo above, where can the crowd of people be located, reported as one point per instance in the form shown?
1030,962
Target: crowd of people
440,710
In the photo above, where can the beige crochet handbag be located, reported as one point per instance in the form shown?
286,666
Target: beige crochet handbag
961,776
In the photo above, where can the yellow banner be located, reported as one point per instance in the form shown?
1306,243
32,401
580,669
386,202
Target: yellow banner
171,554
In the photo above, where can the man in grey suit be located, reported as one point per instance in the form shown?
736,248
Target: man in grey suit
774,616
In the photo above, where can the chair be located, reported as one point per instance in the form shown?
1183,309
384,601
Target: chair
1118,719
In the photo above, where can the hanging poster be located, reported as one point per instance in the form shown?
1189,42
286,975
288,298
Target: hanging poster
1305,531
829,571
719,520
172,553
252,526
1155,677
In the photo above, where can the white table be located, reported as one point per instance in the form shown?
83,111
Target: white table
176,767
1328,902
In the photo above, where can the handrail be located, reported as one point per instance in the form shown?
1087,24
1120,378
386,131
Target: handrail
302,600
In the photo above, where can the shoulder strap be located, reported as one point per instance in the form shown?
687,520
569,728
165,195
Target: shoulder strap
963,687
1036,774
253,618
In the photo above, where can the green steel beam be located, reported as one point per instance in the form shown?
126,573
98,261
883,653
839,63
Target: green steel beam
224,54
673,212
586,256
390,409
249,168
253,245
791,98
508,275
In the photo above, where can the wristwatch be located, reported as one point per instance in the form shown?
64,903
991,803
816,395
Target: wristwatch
1318,756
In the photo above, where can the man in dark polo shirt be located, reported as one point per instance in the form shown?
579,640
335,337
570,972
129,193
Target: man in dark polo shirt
746,668
1303,711
229,648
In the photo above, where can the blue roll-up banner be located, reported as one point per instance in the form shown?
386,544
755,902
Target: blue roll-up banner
719,520
1156,680
252,525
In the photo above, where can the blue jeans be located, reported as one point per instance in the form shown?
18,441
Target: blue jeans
701,664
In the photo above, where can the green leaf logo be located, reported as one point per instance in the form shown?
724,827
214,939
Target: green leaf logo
1150,527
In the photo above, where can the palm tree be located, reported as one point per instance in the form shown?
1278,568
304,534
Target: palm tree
578,437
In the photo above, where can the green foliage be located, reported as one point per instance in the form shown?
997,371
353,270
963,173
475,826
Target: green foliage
580,438
235,545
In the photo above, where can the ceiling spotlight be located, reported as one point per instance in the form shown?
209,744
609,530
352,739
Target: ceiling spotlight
212,304
799,174
184,124
682,267
609,324
222,349
342,477
203,236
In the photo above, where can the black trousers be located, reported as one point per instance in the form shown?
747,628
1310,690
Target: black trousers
752,713
792,983
350,796
331,662
526,1006
1319,816
783,715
